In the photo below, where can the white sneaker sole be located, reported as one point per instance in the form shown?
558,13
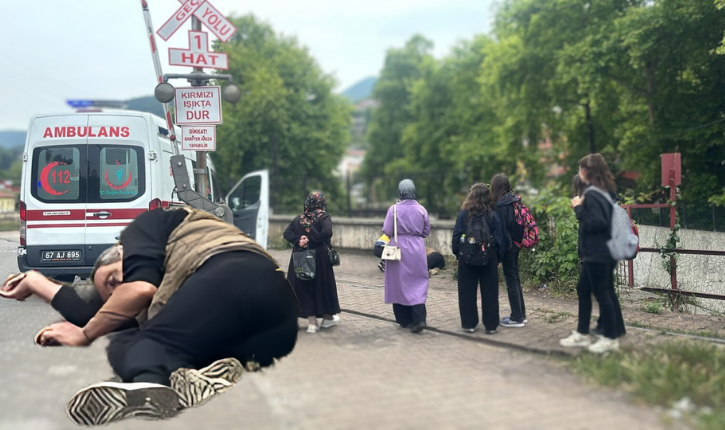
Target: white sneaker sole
332,323
108,402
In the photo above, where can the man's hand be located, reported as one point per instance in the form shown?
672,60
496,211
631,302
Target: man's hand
16,287
24,285
66,334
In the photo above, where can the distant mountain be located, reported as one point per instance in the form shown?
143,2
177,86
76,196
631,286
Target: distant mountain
146,104
12,138
361,90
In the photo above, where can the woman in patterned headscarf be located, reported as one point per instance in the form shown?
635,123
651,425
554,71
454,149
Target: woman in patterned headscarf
312,229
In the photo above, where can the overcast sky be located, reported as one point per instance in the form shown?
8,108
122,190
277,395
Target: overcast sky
54,50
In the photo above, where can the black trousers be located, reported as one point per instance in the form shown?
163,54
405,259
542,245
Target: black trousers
510,265
408,315
469,278
235,305
598,279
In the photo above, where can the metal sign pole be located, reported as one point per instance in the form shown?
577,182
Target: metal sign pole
159,74
200,173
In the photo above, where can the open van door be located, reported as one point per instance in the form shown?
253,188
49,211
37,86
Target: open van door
249,202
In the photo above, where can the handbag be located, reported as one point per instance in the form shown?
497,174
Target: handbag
333,256
391,252
304,264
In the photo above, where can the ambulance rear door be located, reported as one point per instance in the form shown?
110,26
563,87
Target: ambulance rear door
249,202
119,179
54,193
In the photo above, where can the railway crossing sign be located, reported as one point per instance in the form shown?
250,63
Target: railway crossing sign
205,13
198,54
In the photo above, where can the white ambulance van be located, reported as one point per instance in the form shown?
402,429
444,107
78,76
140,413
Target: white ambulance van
87,175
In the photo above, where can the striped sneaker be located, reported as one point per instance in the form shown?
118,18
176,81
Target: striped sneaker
196,389
229,369
107,402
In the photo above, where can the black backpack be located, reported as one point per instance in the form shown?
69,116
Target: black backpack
475,246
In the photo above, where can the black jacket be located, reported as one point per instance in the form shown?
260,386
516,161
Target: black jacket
505,211
494,226
595,220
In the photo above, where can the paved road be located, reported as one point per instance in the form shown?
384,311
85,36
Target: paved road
361,374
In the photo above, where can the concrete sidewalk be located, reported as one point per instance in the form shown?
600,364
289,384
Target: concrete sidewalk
361,291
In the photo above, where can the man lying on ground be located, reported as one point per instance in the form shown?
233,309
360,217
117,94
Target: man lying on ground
435,259
193,302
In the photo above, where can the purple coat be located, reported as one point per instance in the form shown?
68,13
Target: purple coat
406,281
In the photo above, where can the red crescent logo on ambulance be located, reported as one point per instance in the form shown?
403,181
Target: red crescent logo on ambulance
44,179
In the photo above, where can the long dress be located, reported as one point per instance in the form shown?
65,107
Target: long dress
406,281
317,297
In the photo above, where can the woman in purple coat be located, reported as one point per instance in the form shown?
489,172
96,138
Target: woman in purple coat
406,281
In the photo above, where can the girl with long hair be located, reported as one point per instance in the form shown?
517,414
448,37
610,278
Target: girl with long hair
594,213
478,209
505,199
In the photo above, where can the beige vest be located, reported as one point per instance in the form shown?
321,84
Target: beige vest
199,237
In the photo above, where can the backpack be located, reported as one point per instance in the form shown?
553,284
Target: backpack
623,243
525,233
475,246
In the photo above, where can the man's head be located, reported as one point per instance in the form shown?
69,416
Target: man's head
107,273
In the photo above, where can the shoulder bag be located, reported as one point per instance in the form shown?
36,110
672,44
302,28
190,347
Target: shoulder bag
331,253
393,252
333,256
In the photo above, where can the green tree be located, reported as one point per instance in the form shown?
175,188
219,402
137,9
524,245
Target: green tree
288,119
393,92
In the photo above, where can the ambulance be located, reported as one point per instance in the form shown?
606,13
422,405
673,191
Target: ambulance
87,175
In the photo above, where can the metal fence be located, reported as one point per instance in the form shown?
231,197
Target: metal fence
691,216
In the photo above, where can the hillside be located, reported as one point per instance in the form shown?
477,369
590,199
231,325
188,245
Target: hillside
12,138
146,104
361,90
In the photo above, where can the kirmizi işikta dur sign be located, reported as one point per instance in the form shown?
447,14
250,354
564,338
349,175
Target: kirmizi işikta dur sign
198,105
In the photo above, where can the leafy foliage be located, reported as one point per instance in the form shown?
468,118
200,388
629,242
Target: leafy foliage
287,121
628,78
555,260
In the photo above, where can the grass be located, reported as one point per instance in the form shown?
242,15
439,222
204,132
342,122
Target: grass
702,333
554,316
652,307
664,374
9,225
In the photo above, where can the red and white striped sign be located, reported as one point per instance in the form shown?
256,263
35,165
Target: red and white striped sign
178,18
214,20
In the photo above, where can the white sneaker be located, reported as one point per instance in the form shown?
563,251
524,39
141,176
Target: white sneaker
576,339
329,323
604,344
313,328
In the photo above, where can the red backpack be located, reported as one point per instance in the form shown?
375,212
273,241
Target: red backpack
526,233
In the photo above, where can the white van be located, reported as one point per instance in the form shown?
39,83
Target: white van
87,175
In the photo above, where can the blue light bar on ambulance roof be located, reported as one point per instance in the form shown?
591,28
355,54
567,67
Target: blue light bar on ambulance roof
112,104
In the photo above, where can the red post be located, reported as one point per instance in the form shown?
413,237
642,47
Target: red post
673,221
